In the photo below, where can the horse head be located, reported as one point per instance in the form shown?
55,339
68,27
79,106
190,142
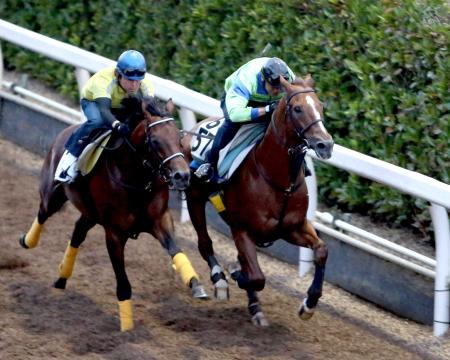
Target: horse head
161,137
303,116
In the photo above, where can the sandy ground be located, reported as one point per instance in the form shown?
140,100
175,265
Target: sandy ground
39,322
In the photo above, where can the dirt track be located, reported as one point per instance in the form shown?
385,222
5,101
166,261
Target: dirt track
39,322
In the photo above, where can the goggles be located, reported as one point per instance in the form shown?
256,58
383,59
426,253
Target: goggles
275,83
133,72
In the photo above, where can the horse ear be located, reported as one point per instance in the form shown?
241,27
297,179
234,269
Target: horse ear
284,83
170,106
309,81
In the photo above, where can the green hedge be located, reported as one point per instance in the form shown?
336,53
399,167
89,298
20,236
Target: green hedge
382,68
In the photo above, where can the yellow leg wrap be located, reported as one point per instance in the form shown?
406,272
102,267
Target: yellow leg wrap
182,264
68,261
126,315
33,235
216,201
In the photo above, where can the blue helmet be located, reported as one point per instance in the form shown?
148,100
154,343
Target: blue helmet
131,65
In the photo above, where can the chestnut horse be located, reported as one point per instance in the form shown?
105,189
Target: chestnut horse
267,199
127,193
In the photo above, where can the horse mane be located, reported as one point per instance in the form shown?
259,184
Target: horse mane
132,106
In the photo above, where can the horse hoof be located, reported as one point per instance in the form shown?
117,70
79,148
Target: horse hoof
259,319
22,241
304,312
60,283
198,292
221,290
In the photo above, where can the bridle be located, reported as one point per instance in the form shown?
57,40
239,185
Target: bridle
299,130
162,162
161,169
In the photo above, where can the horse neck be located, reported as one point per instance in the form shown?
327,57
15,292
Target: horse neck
278,165
128,158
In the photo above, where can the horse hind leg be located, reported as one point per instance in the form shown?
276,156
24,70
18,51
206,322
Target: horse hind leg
51,202
82,226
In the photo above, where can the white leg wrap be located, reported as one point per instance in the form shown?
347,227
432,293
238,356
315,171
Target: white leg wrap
306,308
217,269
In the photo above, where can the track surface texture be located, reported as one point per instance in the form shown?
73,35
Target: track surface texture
81,322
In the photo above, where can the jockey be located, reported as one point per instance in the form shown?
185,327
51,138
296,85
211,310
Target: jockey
101,101
251,95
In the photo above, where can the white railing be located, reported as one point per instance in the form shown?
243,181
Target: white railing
437,193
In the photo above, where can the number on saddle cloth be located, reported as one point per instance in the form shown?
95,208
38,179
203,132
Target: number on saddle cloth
201,145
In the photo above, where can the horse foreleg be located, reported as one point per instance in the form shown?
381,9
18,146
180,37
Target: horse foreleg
255,309
249,276
82,226
163,231
116,246
196,206
308,237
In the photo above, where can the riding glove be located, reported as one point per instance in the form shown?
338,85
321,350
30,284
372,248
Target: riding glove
122,128
271,107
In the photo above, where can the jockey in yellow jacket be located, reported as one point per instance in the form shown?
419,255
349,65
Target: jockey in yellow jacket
101,102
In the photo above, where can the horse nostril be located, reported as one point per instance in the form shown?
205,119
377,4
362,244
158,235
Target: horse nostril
321,146
181,176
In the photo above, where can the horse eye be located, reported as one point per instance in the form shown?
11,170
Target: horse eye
298,109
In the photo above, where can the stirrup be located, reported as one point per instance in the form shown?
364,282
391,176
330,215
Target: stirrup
204,171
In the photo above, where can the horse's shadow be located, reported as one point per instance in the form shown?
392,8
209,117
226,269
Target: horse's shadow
219,326
89,329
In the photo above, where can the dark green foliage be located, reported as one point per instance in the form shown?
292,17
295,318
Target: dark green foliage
382,68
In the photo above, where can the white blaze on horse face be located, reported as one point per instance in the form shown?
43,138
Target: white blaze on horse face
316,112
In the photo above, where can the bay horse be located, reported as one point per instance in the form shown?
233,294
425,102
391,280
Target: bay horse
267,198
127,193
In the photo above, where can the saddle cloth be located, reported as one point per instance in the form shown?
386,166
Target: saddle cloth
232,155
